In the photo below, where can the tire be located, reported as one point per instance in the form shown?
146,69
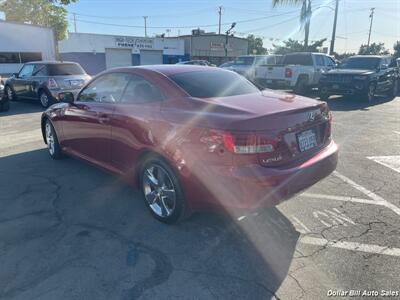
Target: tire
52,141
369,95
9,93
301,86
45,99
162,191
394,90
5,106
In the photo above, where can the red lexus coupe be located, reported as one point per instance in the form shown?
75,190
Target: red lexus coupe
194,138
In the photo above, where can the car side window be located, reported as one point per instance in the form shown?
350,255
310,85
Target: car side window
319,59
329,62
39,70
140,91
105,89
26,71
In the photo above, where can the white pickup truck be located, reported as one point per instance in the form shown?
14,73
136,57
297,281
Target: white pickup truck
299,71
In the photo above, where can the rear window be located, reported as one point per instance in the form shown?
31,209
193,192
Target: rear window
207,84
368,63
65,69
298,59
244,60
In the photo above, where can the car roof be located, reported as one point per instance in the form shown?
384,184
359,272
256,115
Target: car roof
169,70
51,62
371,56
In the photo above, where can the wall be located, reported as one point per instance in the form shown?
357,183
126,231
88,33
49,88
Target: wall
15,37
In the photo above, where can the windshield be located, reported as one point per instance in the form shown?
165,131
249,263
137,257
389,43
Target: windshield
298,59
213,84
367,63
245,60
64,69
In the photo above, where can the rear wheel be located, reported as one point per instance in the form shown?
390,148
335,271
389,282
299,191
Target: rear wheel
45,99
52,141
161,190
301,86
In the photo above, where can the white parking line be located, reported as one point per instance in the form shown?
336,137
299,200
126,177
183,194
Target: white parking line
362,189
368,248
392,162
304,228
340,198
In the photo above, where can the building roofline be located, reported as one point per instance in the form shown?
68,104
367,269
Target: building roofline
25,24
216,34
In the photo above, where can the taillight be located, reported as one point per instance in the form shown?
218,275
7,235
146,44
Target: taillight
240,143
288,73
52,83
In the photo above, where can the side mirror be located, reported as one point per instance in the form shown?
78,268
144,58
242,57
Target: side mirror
66,97
15,75
384,66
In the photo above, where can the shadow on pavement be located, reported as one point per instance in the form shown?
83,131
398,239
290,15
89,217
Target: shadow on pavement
71,231
347,104
22,107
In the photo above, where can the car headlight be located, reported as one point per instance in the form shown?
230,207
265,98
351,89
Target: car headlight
360,77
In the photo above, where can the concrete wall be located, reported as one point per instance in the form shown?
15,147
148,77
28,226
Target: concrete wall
15,37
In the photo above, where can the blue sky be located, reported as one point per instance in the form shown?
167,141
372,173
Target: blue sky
252,16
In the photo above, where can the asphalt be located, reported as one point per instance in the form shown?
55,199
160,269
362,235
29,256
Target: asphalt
71,231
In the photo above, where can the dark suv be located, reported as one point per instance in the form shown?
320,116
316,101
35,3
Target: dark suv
363,76
44,80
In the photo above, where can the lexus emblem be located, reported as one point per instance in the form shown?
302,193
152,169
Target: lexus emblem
311,116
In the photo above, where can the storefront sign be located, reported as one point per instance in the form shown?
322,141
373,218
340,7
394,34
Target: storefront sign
216,46
133,42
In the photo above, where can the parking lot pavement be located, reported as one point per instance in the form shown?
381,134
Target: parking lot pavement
71,231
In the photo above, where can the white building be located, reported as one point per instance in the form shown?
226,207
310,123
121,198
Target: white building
97,52
20,43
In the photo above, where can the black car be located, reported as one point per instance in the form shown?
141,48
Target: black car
4,102
43,81
363,76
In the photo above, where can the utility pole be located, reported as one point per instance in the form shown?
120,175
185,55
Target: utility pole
74,21
334,29
371,16
145,25
219,22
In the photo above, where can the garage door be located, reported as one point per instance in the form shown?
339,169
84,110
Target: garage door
151,57
118,58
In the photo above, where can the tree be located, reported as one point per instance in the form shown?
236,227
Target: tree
295,46
373,49
256,45
305,14
396,48
50,13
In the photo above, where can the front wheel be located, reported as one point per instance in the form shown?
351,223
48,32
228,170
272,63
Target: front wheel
161,190
395,89
369,95
52,141
10,93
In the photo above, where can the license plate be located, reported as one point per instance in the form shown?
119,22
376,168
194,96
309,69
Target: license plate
307,140
335,86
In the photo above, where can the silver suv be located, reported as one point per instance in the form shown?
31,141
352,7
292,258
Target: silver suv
43,81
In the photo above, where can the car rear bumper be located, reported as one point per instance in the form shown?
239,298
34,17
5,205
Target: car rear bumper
256,186
276,83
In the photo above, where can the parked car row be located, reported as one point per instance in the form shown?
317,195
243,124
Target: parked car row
42,81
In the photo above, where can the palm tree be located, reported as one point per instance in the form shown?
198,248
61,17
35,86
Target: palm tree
305,14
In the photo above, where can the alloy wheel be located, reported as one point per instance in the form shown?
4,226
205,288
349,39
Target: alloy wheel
9,93
159,190
44,100
371,92
50,138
